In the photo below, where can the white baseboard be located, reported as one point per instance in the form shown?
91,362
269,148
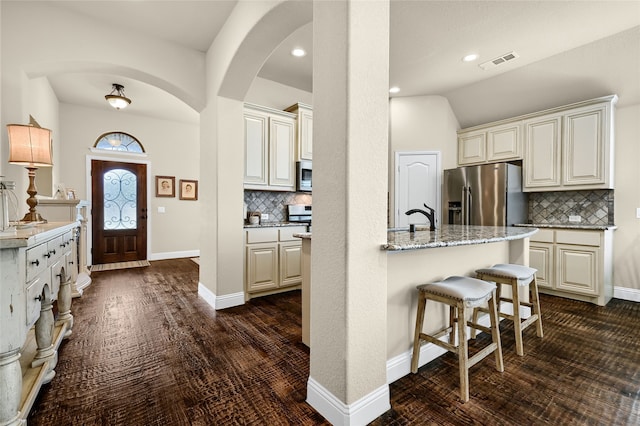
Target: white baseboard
361,412
220,302
174,254
630,294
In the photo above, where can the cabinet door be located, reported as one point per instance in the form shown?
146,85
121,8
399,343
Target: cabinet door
504,142
290,264
585,147
305,135
541,165
262,267
281,148
541,258
472,148
255,149
577,269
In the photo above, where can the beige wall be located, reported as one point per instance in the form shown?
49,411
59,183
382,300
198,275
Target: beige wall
275,95
420,123
173,149
626,250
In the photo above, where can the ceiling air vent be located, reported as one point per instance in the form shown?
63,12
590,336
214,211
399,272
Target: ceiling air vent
498,61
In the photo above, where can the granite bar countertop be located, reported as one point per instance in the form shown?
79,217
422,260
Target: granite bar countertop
452,235
446,236
567,226
274,224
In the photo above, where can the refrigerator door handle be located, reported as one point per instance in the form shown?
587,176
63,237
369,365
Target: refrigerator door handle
469,202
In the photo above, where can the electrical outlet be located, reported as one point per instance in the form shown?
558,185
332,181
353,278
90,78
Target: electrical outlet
575,219
161,210
638,213
264,216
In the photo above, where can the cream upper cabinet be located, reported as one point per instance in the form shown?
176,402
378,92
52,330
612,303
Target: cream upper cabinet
490,144
269,149
574,263
542,153
304,130
571,149
256,142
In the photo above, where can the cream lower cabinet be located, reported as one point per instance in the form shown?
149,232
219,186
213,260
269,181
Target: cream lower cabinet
273,260
574,263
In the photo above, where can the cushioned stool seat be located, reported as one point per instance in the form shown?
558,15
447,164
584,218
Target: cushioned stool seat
461,294
516,276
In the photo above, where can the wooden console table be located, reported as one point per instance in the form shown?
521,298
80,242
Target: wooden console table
36,267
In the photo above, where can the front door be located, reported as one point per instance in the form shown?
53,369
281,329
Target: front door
119,211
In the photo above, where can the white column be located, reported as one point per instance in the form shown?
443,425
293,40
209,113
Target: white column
347,382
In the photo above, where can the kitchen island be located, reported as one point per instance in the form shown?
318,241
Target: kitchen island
424,256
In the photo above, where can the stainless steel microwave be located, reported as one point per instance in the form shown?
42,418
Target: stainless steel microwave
303,176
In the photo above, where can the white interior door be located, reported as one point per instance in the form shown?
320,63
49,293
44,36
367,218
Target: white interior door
417,183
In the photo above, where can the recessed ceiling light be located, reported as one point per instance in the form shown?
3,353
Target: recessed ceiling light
470,57
298,52
394,89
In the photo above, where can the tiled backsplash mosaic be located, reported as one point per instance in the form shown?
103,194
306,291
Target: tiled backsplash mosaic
595,207
274,203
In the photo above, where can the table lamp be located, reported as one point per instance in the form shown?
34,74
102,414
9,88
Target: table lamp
30,146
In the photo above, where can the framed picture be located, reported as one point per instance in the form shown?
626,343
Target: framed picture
165,186
188,189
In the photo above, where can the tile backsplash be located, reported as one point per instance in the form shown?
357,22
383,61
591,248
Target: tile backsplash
274,203
595,207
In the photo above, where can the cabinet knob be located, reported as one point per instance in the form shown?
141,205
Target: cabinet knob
36,262
47,255
38,298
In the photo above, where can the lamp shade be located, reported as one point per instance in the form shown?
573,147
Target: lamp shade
29,145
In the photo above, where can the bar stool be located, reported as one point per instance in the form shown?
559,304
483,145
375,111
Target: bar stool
461,294
516,276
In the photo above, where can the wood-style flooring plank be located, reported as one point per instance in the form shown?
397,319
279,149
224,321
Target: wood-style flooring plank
146,350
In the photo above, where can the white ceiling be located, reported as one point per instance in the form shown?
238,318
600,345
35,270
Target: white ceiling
427,42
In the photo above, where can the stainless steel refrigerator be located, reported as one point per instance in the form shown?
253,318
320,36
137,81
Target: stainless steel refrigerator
488,195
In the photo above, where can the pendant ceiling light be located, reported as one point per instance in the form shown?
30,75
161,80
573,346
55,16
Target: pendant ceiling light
116,98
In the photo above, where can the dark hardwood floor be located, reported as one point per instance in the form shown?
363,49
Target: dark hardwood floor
146,350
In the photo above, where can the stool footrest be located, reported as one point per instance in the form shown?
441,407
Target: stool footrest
479,327
478,356
444,345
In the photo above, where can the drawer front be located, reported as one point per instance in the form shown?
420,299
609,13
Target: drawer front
34,292
36,260
583,238
55,249
543,236
262,235
286,234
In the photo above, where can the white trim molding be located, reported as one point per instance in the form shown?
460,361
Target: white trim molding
174,254
630,294
220,302
361,412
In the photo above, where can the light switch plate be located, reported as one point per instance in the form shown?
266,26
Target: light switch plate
160,209
638,213
575,219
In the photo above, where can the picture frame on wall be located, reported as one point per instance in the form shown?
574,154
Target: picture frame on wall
165,186
188,189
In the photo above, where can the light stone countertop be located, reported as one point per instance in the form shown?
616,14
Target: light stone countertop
567,226
274,224
446,236
452,235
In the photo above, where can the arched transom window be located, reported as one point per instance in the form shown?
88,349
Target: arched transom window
119,141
